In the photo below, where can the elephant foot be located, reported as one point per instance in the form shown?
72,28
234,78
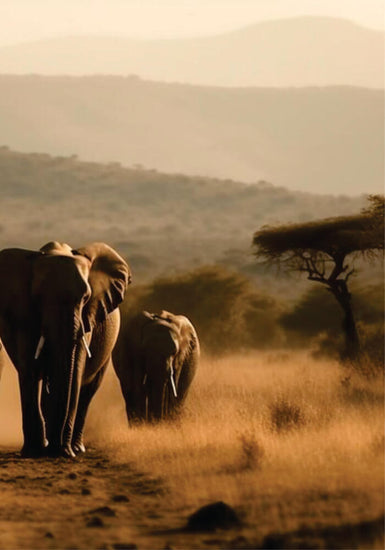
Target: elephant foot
32,452
67,452
57,452
79,448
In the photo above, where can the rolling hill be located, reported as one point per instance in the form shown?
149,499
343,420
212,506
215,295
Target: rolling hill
304,51
321,140
161,222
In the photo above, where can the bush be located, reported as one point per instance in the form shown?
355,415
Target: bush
315,312
285,416
252,453
315,321
227,311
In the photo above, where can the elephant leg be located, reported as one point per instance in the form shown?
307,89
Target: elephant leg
135,406
86,394
130,411
33,423
134,394
139,404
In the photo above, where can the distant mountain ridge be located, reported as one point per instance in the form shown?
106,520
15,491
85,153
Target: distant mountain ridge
304,51
323,140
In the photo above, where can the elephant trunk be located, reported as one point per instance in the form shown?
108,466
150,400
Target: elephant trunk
162,389
76,382
63,382
156,399
60,396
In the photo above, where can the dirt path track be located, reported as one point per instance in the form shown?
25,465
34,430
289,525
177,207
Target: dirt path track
85,503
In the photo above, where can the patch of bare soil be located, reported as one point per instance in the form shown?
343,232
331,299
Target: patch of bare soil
92,503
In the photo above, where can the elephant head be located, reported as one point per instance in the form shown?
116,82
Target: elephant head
160,343
50,302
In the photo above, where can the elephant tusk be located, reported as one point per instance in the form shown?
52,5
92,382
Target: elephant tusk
144,379
173,382
39,346
86,346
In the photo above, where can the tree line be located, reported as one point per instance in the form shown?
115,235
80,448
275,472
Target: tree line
233,313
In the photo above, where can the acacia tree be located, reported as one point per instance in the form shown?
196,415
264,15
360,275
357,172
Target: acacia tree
326,250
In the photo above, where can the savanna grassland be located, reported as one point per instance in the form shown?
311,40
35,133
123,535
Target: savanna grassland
289,441
293,444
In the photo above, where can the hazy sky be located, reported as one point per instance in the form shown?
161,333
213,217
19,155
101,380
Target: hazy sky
23,20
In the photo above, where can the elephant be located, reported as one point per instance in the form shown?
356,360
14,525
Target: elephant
155,359
59,321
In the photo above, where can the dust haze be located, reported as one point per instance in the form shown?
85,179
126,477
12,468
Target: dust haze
317,53
10,409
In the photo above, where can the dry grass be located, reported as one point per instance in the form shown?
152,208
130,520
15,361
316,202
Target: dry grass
288,440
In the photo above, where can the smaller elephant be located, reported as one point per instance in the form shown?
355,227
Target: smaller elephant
155,359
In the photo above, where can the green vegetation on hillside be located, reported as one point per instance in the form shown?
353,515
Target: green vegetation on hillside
162,223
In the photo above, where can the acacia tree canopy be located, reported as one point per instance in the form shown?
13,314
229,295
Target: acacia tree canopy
320,249
311,246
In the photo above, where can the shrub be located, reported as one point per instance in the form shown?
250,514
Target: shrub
315,321
285,416
227,311
372,346
252,453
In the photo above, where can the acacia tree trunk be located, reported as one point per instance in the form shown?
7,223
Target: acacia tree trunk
352,343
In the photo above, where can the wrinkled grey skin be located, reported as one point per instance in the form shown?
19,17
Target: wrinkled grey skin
150,348
65,296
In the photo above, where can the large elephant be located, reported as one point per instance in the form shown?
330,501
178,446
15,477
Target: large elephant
59,320
155,359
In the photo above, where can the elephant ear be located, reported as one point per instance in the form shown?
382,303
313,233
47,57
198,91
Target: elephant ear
108,278
188,336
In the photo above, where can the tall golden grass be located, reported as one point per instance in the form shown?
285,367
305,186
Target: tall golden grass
287,439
